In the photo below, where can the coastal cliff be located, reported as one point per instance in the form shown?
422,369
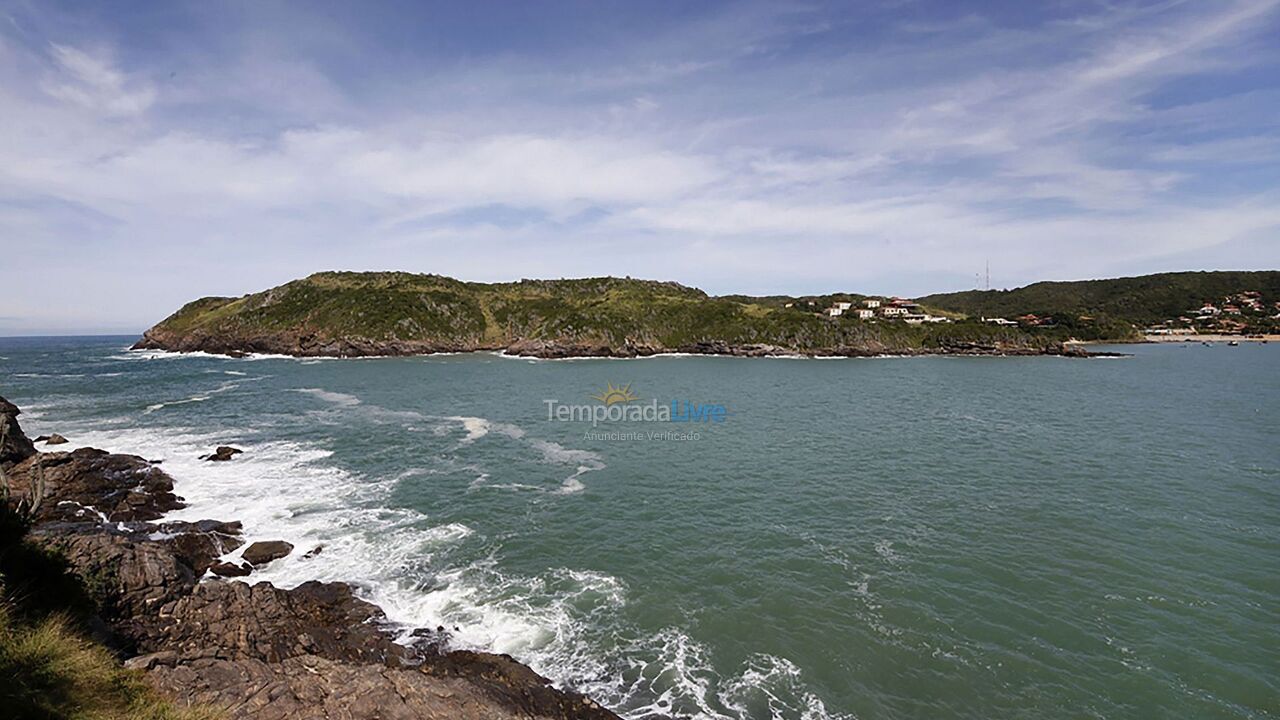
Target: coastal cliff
140,586
342,314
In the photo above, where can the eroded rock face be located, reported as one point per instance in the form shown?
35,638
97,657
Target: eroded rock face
314,688
232,620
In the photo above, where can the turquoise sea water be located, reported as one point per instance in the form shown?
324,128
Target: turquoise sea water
870,538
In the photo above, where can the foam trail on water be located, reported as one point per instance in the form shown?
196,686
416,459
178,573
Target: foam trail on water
564,622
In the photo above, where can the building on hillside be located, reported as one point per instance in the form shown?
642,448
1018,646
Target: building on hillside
893,311
999,321
866,313
871,303
834,311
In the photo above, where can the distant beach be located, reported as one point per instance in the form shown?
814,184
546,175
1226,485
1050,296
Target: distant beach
1211,338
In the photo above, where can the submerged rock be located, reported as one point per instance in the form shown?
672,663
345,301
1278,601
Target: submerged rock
263,552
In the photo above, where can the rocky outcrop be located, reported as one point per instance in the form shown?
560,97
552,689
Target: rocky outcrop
260,652
222,453
14,444
93,484
263,552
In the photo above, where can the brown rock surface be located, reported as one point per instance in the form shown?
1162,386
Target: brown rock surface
264,551
93,484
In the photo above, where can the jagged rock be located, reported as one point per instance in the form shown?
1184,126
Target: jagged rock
132,568
232,620
313,552
264,551
230,569
315,688
55,439
261,652
222,453
15,446
89,483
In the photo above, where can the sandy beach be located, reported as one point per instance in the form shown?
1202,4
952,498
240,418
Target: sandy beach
1211,338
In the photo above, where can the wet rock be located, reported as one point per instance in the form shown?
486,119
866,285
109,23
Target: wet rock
222,454
89,483
261,652
313,552
55,439
230,569
263,552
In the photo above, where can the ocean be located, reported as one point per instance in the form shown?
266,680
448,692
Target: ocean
933,537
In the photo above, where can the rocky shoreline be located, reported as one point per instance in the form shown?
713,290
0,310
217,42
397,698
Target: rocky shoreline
255,651
297,345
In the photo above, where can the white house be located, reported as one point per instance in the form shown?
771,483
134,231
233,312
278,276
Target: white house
866,313
892,311
873,304
999,321
844,306
834,311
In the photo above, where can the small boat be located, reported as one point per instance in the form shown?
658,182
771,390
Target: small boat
1233,343
1206,343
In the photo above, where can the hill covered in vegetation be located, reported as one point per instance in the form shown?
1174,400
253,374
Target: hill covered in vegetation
1113,308
396,313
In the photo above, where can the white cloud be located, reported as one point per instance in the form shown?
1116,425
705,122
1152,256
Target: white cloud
759,169
95,84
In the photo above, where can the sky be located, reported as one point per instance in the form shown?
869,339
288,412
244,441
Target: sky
153,153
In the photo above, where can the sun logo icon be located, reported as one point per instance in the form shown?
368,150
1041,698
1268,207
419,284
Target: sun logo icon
613,395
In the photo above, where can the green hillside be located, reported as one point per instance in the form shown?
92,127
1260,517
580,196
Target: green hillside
1113,304
402,313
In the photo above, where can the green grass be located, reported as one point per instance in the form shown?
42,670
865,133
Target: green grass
48,667
47,670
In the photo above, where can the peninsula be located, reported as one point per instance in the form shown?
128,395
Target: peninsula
355,314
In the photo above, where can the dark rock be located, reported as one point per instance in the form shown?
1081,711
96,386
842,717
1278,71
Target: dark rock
222,453
263,552
93,484
233,620
261,652
55,439
230,569
313,552
15,446
315,688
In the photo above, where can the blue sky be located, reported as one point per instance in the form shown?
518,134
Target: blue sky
154,153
